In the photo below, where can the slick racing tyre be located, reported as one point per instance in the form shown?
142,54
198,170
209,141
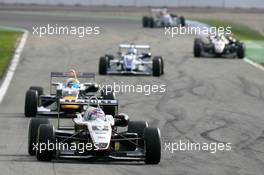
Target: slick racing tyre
138,127
46,136
32,133
108,94
39,89
151,22
103,65
145,21
109,56
161,64
240,50
182,21
152,145
31,103
197,47
156,67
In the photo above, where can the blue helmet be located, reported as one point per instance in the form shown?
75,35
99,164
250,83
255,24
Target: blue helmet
72,83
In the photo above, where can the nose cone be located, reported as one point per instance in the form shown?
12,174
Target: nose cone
100,132
129,62
219,46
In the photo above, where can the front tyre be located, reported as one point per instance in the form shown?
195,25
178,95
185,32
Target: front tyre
46,137
138,127
33,133
145,21
161,64
152,145
197,47
103,65
240,50
182,21
151,22
31,103
156,67
110,56
39,89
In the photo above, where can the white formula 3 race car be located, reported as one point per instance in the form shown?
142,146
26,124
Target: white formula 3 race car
94,136
220,45
132,60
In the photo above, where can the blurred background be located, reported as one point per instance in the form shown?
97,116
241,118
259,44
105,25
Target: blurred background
175,3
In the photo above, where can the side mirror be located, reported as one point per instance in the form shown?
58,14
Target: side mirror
55,83
121,120
92,88
147,55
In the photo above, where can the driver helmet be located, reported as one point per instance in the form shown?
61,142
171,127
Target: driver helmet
94,113
72,83
132,50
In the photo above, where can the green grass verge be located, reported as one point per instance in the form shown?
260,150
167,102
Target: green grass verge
8,40
241,31
255,51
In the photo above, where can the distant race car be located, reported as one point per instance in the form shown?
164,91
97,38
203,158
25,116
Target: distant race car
37,103
132,59
220,45
160,17
94,136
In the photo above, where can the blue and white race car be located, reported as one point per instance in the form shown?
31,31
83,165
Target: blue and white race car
132,59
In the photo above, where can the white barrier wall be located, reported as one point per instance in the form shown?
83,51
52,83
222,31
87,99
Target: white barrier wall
176,3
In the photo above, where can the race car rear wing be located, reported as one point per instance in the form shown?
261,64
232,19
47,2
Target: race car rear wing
135,46
91,102
68,74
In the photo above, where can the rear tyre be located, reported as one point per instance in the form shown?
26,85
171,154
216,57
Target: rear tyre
108,94
182,21
241,50
145,21
33,132
31,103
151,22
197,47
152,145
156,66
138,127
161,64
46,136
103,65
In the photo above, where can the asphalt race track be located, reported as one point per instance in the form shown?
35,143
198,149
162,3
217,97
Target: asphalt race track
206,100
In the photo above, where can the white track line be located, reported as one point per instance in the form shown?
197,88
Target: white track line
12,67
253,63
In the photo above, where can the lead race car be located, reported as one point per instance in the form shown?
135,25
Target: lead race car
160,17
98,134
132,59
38,103
219,45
